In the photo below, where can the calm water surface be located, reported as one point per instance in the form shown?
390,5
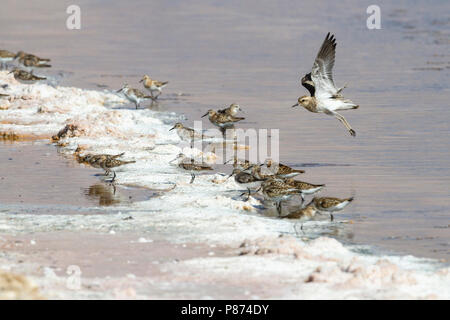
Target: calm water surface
253,52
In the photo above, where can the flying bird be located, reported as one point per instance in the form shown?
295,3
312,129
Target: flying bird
325,96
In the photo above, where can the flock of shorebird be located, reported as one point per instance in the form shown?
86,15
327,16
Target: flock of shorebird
274,180
27,62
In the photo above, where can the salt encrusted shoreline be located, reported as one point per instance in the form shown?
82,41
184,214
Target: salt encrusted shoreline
207,212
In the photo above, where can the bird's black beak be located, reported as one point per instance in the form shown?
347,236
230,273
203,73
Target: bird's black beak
120,90
295,105
141,80
205,115
171,129
171,161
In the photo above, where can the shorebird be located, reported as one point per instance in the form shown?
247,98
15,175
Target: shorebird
245,179
104,161
134,95
23,55
189,165
232,110
222,120
25,75
282,170
325,97
277,190
305,187
6,56
187,134
331,205
153,85
242,165
30,61
307,212
109,162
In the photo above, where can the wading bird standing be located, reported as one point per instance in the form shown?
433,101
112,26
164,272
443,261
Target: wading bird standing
25,75
188,164
134,95
331,205
153,85
222,120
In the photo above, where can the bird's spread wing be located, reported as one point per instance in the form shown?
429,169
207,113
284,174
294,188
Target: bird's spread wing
309,84
322,70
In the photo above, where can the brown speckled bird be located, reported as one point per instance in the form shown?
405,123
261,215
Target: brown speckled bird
305,187
245,179
222,120
282,170
25,75
308,212
190,165
153,85
104,161
276,190
232,110
331,205
31,61
24,55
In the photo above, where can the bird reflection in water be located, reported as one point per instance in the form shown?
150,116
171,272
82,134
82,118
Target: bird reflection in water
105,193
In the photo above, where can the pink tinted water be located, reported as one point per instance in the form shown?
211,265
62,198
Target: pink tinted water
253,53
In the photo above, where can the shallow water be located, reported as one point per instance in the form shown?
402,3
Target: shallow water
36,179
397,167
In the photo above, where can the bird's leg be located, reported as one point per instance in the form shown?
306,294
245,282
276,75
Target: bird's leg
114,177
107,172
342,88
303,197
249,194
192,177
279,208
223,130
331,217
296,231
345,123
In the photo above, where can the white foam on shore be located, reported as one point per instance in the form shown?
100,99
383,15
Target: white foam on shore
209,210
